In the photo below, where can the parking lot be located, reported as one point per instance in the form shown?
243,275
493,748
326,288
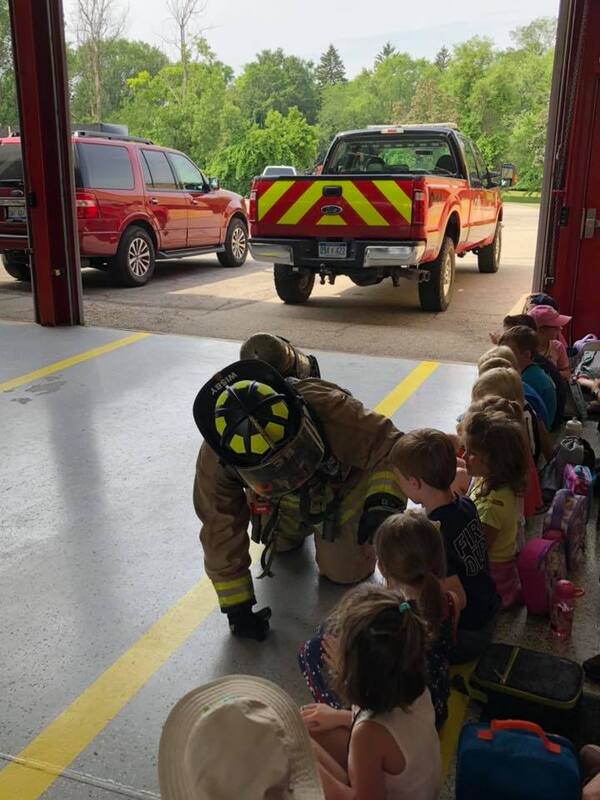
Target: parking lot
197,296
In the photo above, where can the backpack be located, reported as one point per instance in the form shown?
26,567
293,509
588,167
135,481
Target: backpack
515,760
541,563
577,479
589,365
572,450
566,520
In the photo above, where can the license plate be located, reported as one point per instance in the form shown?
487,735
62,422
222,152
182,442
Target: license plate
16,213
328,250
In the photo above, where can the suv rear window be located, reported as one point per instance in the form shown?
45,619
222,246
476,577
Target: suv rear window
105,166
11,164
402,153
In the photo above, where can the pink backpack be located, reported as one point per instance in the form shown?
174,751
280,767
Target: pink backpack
541,563
566,520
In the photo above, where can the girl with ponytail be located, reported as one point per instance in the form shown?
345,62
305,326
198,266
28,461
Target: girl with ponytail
411,559
385,745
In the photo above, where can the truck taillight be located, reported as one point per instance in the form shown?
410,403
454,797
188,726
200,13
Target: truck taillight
418,207
87,206
252,206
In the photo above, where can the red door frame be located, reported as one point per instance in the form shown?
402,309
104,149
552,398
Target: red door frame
41,75
567,163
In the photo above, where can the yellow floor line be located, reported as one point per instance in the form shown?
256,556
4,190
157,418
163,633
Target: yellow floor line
398,396
65,363
72,731
457,708
519,305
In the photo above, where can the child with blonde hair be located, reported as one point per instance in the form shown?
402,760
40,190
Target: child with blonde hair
499,351
411,559
497,459
386,746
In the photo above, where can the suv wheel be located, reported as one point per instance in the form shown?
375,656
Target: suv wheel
17,266
488,258
135,261
236,244
435,293
293,287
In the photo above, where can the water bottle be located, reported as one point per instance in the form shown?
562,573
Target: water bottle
574,427
563,607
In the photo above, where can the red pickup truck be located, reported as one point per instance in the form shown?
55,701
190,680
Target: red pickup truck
390,202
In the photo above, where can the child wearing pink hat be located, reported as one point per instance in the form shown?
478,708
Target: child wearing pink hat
549,325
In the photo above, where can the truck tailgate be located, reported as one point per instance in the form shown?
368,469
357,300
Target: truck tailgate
333,207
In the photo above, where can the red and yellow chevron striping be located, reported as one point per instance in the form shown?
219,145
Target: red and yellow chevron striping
374,203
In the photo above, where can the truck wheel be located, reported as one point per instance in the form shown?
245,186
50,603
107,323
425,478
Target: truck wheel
236,244
435,294
135,261
17,266
488,258
293,287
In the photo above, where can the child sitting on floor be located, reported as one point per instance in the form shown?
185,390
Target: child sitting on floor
549,326
410,556
523,341
425,464
496,458
386,747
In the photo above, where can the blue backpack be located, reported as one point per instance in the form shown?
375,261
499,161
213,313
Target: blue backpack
515,760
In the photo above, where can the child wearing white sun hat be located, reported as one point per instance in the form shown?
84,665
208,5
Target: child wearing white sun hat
237,737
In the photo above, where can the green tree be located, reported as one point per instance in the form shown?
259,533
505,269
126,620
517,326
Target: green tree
121,60
277,82
386,51
431,103
331,68
8,100
537,37
442,58
393,85
285,139
99,22
194,121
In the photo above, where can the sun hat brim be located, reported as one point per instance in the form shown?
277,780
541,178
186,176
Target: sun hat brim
174,784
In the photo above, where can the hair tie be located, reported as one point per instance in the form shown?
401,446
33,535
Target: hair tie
404,607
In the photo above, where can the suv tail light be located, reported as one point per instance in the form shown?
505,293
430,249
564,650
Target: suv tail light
252,205
87,206
418,207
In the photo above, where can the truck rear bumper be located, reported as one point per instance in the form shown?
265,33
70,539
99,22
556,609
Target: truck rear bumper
360,254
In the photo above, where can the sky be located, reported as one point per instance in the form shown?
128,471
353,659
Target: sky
238,29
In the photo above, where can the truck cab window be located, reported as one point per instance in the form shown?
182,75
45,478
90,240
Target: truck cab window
475,178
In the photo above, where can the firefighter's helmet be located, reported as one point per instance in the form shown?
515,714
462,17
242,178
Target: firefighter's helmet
252,419
258,424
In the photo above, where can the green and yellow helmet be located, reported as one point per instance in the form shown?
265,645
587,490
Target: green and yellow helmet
252,419
257,423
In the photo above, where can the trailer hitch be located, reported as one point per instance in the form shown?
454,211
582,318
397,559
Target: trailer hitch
328,274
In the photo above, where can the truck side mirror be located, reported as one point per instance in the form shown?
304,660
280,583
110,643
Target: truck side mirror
508,174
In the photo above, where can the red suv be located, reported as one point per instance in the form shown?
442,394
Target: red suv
136,203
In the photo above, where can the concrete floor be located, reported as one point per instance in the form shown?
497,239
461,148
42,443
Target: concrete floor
99,540
197,296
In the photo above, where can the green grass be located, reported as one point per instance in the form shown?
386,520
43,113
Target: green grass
521,197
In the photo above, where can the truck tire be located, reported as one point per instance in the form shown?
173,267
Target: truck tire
17,266
236,244
293,287
135,261
435,294
488,258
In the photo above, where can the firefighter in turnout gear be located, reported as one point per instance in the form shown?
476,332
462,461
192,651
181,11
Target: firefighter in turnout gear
292,458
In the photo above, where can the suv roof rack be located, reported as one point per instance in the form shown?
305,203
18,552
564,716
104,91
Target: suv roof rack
82,132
